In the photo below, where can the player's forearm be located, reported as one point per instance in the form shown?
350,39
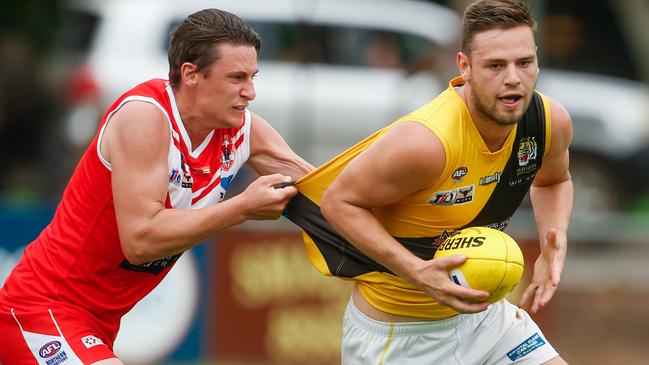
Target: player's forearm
284,162
172,231
361,228
270,154
552,206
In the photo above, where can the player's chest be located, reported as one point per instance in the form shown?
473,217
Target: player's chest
197,180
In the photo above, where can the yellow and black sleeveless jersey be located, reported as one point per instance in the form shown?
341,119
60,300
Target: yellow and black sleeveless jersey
477,188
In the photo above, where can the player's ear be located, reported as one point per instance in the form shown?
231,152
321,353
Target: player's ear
189,73
463,65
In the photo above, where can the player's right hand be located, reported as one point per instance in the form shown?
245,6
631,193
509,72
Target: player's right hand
433,278
262,201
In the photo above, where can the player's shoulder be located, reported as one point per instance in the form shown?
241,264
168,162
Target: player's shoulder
560,117
560,120
134,123
558,113
413,131
557,109
414,141
136,114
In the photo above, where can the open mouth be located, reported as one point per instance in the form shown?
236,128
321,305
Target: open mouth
510,99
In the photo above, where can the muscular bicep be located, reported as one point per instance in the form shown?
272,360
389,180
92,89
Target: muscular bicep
556,162
137,143
406,160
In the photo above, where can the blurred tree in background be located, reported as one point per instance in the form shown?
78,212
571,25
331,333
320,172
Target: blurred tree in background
27,108
33,21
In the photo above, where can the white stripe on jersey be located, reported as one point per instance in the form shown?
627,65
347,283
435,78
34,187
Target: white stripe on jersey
49,349
126,100
181,127
245,132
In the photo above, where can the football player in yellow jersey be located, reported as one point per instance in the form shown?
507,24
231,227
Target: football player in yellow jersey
466,158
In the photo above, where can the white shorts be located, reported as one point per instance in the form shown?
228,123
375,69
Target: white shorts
502,334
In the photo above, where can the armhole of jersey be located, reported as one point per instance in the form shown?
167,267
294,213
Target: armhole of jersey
445,144
548,123
126,100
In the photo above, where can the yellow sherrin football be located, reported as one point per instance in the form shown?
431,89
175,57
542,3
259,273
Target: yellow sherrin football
494,260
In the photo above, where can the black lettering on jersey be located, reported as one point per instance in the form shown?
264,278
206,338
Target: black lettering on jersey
154,267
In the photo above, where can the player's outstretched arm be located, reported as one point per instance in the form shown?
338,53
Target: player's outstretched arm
136,143
270,154
552,196
407,159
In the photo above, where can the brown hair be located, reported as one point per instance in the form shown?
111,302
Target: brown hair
483,15
194,39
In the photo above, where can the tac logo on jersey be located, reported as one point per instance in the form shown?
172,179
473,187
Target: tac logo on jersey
227,152
526,151
459,173
181,176
461,195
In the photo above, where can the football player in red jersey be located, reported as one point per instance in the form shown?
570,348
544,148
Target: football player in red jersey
149,187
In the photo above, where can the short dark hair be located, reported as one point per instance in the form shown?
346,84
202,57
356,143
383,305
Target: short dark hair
483,15
194,39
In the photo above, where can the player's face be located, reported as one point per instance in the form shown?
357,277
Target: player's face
226,87
501,72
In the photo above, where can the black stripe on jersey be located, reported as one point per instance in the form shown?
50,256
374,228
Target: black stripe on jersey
154,267
513,186
342,258
345,260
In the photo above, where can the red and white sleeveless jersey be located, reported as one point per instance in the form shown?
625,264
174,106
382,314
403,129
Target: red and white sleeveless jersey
77,260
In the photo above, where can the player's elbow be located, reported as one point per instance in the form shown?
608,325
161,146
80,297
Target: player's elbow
329,206
134,254
136,248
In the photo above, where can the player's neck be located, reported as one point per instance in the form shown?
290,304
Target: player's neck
191,118
493,134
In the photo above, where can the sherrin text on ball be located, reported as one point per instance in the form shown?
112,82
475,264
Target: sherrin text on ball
494,260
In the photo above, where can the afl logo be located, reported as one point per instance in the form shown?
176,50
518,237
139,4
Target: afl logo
49,349
459,173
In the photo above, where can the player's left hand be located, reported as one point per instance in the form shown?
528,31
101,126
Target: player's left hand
547,272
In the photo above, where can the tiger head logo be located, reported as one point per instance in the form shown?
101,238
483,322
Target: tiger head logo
526,151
